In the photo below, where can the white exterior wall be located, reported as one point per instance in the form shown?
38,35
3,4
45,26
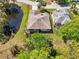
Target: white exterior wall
34,7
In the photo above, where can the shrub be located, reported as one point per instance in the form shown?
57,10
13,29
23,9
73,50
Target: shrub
37,41
23,55
70,30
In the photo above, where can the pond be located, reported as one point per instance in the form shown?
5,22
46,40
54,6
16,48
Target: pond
14,22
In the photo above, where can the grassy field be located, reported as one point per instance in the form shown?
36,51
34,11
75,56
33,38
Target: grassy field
18,39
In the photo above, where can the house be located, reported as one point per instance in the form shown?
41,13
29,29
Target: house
60,17
38,22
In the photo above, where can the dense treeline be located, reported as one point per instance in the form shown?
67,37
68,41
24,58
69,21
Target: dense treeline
70,30
6,12
38,47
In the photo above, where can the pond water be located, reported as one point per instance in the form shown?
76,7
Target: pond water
14,23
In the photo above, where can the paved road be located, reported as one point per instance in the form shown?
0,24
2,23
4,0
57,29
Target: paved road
33,4
28,2
52,6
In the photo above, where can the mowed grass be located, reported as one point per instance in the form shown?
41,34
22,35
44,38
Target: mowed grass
25,9
18,38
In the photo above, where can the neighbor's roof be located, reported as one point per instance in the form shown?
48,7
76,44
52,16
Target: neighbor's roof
39,21
33,4
60,16
75,0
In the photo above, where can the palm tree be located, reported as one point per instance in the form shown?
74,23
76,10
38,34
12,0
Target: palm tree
4,4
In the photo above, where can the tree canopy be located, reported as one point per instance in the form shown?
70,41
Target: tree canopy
63,1
37,41
70,30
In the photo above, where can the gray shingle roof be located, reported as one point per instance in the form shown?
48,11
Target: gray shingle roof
38,21
75,0
61,17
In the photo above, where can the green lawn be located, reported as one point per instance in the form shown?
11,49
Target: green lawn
19,35
25,9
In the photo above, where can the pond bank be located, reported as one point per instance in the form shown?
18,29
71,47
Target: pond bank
19,35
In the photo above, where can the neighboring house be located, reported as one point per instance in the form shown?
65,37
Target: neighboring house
38,22
60,17
75,0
